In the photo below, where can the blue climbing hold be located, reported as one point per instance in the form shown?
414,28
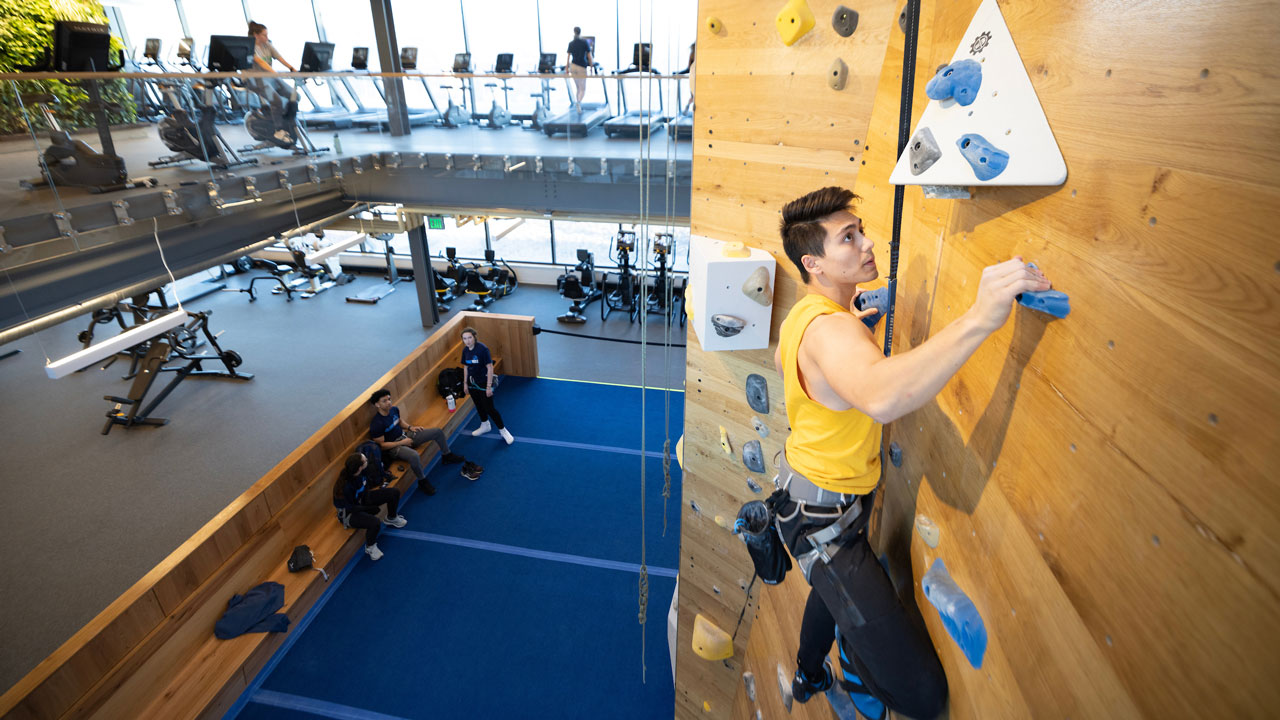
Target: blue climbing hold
986,159
1052,302
878,299
959,80
959,615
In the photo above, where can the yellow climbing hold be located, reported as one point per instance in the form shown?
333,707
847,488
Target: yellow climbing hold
793,21
709,641
724,441
706,706
714,25
680,452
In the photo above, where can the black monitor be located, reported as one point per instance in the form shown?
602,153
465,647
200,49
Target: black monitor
546,63
360,58
642,56
81,47
228,53
409,58
316,57
591,45
151,50
504,63
462,62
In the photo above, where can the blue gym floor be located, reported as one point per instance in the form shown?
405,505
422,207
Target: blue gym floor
515,596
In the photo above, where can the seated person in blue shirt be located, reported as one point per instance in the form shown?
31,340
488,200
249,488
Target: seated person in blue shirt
400,440
358,499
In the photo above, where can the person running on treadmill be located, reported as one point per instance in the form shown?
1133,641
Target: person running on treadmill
274,92
579,60
358,499
839,388
400,440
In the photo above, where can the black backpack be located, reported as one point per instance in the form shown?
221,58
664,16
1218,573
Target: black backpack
450,382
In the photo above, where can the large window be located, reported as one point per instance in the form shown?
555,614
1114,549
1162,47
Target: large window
152,19
523,240
435,28
504,26
213,17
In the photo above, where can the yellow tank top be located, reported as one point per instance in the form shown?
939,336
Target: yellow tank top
838,451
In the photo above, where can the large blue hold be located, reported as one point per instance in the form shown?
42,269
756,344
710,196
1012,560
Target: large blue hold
959,80
1053,302
959,615
878,299
986,159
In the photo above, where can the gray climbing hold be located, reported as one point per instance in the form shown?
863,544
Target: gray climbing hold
753,456
727,325
895,454
924,151
749,680
837,74
902,19
755,486
760,427
844,21
986,159
758,393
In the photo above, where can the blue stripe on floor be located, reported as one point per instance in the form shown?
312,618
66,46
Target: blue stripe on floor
317,707
526,552
575,445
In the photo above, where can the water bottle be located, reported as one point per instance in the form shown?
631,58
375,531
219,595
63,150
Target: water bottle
449,401
959,615
337,144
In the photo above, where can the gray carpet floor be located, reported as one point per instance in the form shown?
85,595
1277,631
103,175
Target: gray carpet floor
88,514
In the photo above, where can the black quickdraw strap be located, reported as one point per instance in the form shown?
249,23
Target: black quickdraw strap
904,136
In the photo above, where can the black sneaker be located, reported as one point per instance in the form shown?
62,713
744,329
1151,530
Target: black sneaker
426,486
452,459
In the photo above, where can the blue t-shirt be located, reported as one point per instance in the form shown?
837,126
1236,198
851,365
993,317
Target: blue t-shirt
578,49
477,360
386,425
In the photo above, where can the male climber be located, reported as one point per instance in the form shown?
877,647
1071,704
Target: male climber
839,389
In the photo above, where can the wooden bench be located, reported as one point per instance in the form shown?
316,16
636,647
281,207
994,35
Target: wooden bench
152,652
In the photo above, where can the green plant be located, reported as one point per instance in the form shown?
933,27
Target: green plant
26,31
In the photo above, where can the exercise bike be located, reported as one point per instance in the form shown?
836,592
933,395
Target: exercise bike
288,135
490,282
579,285
662,295
455,115
192,141
623,294
499,116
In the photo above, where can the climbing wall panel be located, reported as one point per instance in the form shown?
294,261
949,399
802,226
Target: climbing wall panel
767,128
1103,483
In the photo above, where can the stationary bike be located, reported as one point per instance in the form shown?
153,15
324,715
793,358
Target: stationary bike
499,116
288,135
579,285
204,141
623,295
542,110
456,115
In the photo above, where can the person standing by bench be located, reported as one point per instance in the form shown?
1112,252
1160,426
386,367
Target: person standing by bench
358,500
400,440
478,377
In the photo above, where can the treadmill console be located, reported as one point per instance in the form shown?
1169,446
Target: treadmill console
184,48
504,64
642,57
546,63
462,62
152,49
408,58
360,58
316,57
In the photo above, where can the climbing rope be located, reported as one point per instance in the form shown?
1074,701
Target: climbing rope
904,132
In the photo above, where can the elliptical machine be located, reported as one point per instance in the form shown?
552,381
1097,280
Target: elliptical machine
204,141
500,115
580,287
662,295
623,295
458,115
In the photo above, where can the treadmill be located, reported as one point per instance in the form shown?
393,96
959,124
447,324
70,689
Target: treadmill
636,123
318,57
577,123
681,126
380,118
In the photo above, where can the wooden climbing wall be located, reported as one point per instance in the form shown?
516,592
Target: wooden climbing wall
766,129
1103,484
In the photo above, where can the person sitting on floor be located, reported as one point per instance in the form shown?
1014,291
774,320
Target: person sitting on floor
400,440
358,499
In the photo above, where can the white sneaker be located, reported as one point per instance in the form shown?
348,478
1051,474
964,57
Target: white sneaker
506,435
373,552
397,521
484,428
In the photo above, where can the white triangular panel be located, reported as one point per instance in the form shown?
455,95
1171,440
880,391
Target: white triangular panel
1006,113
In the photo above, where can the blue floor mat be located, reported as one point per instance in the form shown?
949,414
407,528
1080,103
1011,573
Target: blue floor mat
587,412
583,502
436,631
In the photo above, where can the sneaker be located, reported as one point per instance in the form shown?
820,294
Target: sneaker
426,486
484,428
397,521
506,435
802,688
283,136
452,458
472,471
373,552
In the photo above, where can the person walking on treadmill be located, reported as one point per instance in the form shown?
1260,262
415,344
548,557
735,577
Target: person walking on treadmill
479,379
579,60
274,92
839,388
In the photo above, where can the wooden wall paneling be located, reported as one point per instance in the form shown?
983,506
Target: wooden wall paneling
767,129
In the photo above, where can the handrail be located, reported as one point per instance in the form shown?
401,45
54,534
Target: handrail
300,75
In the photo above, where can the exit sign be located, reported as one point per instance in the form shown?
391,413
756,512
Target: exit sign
435,222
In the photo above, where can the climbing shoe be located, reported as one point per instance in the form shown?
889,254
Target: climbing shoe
802,688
